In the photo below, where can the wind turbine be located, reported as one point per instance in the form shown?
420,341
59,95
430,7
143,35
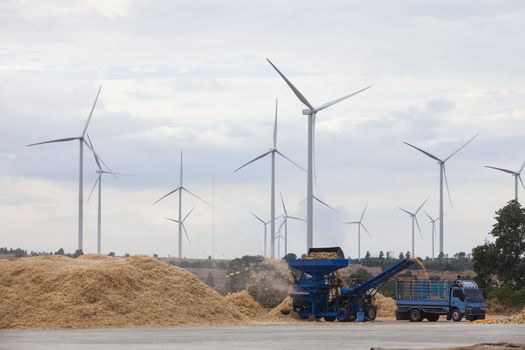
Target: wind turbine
442,174
311,112
279,237
273,151
433,222
181,223
265,223
285,224
359,225
100,171
413,216
81,140
181,188
516,174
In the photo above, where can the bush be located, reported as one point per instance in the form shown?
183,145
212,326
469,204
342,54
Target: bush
507,296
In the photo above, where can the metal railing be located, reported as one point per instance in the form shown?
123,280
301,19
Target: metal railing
423,289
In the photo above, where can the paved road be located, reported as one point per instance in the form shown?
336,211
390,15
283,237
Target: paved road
308,336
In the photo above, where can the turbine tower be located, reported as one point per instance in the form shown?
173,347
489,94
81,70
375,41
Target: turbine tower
180,220
442,175
285,224
516,174
273,151
433,222
265,223
81,140
181,223
100,171
359,225
413,216
311,112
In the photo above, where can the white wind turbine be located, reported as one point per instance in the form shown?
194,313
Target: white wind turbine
311,112
273,151
100,171
180,220
285,224
516,174
265,223
433,222
81,140
359,225
442,175
279,237
181,224
413,216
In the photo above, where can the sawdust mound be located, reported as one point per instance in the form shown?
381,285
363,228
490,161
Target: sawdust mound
246,304
386,306
101,291
517,318
283,312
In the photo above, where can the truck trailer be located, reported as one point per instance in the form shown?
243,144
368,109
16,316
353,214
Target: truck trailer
420,299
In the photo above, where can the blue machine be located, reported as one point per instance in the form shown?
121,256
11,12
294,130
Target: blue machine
429,299
320,292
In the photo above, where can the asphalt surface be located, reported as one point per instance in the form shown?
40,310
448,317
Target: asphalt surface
304,336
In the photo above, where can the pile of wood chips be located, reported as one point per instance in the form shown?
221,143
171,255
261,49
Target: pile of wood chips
100,291
246,305
518,318
322,255
386,306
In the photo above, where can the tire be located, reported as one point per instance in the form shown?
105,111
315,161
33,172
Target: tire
371,312
342,315
432,317
456,315
415,315
329,318
304,315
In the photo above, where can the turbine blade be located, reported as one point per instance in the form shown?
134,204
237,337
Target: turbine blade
281,225
313,150
52,141
459,149
351,222
501,169
422,151
294,89
291,161
93,188
295,218
326,205
275,126
119,174
184,219
419,228
258,218
194,195
421,206
406,211
98,157
253,160
331,103
522,185
161,198
430,217
361,219
92,148
446,183
282,202
177,221
185,232
521,168
363,226
91,113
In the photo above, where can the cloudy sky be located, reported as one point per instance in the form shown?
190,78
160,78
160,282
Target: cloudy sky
193,76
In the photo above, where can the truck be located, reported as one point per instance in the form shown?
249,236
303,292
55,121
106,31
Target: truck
429,299
320,292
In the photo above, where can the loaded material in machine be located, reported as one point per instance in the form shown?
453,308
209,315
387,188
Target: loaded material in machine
320,292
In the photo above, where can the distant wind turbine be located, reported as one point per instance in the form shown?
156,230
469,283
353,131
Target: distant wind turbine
413,216
433,222
181,188
81,140
100,171
516,174
359,225
285,224
311,112
181,223
265,223
273,151
279,237
442,174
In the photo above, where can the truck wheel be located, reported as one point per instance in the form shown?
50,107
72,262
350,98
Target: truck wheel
329,318
371,311
342,315
415,315
432,317
304,315
456,315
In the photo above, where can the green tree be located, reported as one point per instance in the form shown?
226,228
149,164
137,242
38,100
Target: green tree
381,255
289,256
504,260
407,255
367,256
401,256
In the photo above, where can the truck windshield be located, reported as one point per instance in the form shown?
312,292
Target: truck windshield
473,295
